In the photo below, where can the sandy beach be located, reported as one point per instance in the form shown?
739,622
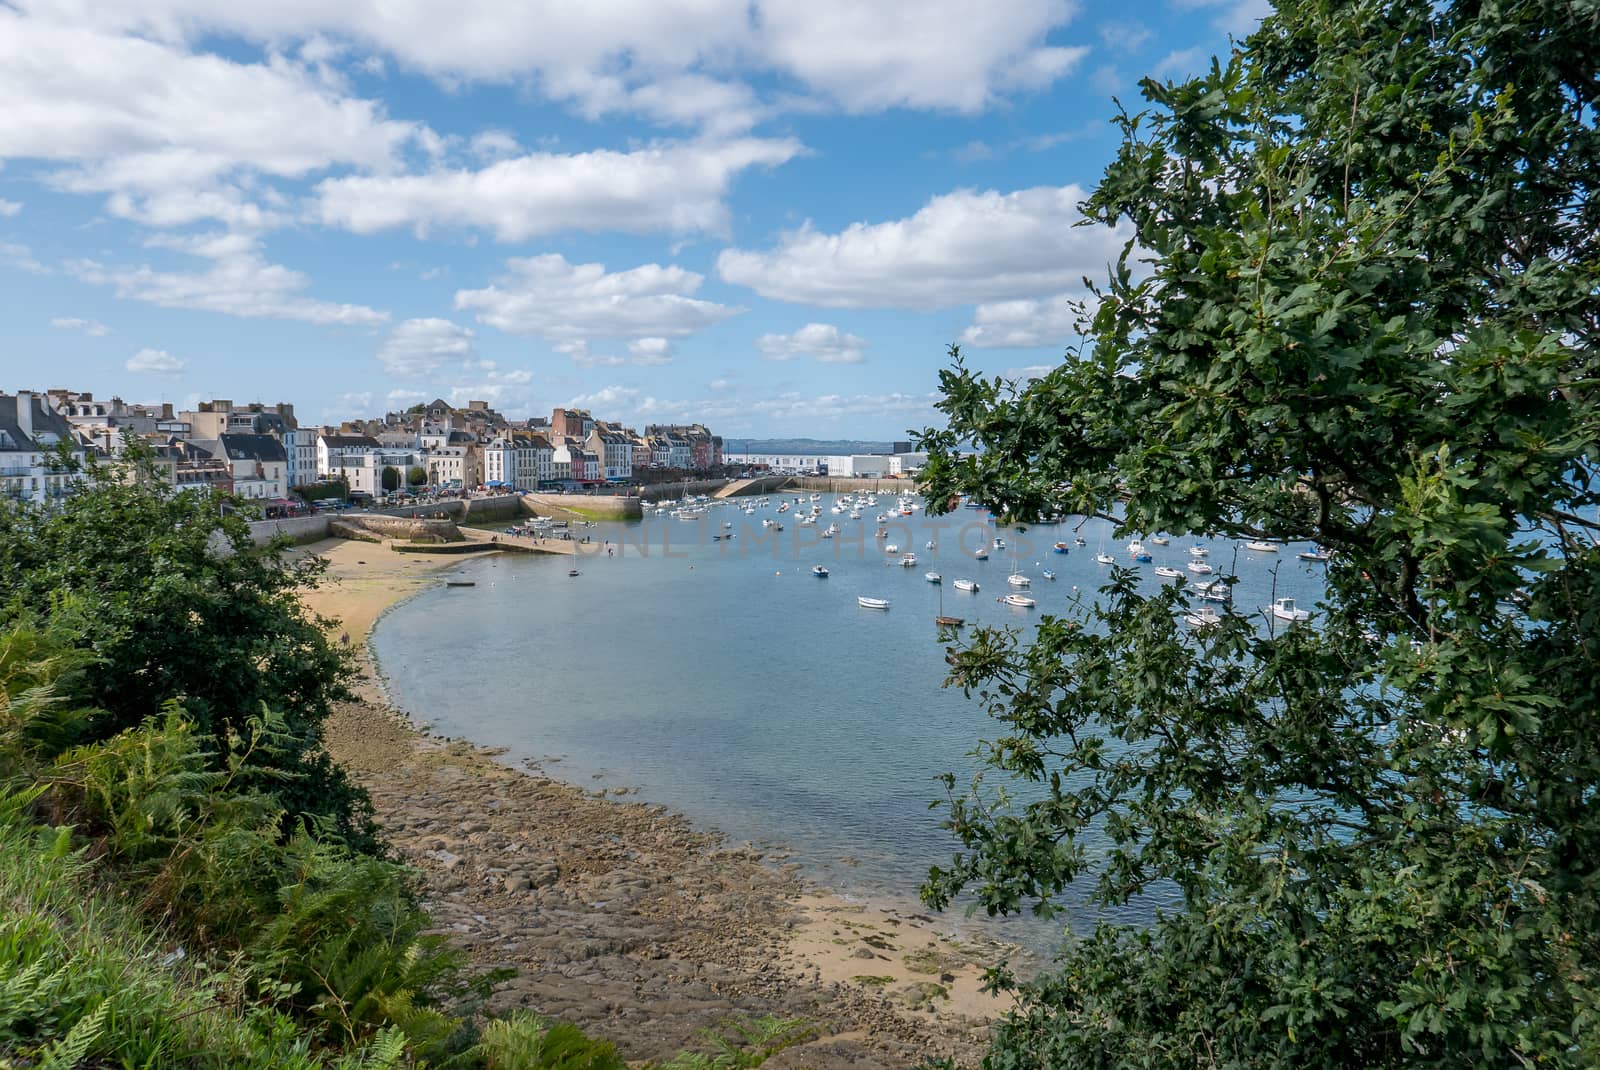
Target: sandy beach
621,916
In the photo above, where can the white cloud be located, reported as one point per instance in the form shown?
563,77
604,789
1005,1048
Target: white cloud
1032,371
720,384
167,132
155,362
1027,323
960,248
946,54
675,188
93,328
239,281
649,351
822,341
1181,63
9,208
943,54
419,346
20,256
551,298
1125,36
1236,17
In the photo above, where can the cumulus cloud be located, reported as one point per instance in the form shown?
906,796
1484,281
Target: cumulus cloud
93,328
820,341
943,54
648,351
165,131
1027,323
155,362
238,281
673,188
9,208
419,346
959,248
548,297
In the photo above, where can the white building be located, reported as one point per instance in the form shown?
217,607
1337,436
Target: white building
258,463
29,433
332,449
300,447
519,459
614,451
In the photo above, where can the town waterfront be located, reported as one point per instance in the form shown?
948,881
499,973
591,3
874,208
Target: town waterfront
723,679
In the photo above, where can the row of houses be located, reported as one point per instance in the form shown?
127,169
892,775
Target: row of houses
261,452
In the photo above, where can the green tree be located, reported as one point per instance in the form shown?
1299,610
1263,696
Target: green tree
417,476
1359,307
391,478
176,602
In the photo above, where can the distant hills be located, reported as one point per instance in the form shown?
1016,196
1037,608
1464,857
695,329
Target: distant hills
825,446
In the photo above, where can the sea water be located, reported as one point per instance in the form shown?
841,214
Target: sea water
721,678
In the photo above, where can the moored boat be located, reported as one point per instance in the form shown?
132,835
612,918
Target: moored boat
1284,609
872,603
819,571
1168,573
1261,547
1204,617
933,577
1016,579
1199,551
1105,559
1200,568
949,622
1314,555
1061,548
1047,574
1021,601
967,585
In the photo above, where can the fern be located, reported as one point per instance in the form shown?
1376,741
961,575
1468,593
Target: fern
71,1049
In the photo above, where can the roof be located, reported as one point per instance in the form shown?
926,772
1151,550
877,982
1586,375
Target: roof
49,426
350,442
262,448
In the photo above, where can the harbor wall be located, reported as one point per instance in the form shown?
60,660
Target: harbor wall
659,491
583,506
301,529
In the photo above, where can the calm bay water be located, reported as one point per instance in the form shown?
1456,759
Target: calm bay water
724,680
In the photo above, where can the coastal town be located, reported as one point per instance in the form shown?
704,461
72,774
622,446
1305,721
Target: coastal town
262,454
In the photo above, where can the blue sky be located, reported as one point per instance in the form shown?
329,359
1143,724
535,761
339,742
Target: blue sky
771,215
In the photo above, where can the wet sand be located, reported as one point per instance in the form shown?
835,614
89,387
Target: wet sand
621,916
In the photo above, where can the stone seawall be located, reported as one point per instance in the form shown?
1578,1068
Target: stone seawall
377,528
301,529
583,506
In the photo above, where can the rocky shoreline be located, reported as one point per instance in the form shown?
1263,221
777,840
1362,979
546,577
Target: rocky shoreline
621,916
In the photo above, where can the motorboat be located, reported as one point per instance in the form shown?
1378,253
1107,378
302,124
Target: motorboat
999,543
1314,555
933,577
768,522
573,572
819,571
1160,540
882,533
1200,568
855,514
826,533
1105,559
1016,579
1047,574
1061,548
1215,591
930,545
872,603
1166,572
967,585
981,553
908,561
1261,547
1136,547
1284,609
1021,601
1079,541
891,548
1199,551
1143,559
1204,617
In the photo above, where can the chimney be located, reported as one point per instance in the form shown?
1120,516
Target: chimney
25,413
